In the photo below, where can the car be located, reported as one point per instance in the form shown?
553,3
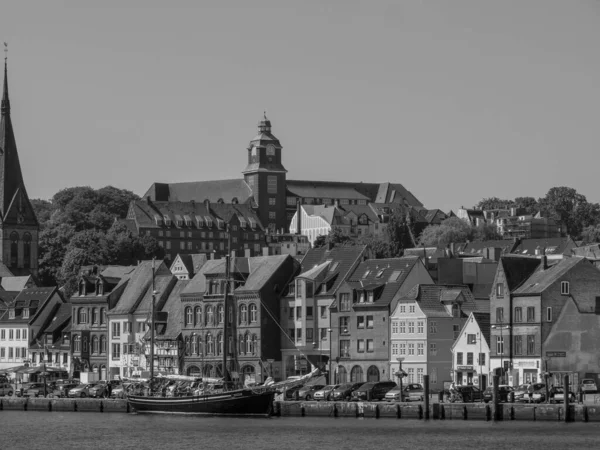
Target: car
98,390
503,391
38,389
410,392
62,389
521,394
557,395
373,390
588,386
325,393
6,389
344,391
307,392
470,393
81,390
118,390
290,393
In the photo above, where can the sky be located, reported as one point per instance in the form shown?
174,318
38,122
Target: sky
456,100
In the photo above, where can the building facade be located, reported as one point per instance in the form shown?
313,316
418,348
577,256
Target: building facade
471,352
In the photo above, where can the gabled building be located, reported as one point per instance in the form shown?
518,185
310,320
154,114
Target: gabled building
360,316
553,248
425,323
471,352
18,224
17,284
253,317
98,290
305,309
22,322
52,347
184,266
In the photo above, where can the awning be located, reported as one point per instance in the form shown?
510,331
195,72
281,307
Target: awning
17,369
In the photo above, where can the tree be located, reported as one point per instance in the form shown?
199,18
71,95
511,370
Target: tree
571,208
398,233
494,203
486,232
529,204
591,234
43,210
450,230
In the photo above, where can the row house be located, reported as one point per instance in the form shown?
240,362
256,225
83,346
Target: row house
523,321
22,322
128,319
198,227
98,290
471,352
53,346
255,288
360,316
185,266
307,336
425,323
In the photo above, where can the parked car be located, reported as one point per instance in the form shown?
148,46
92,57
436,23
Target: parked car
118,390
470,393
377,390
62,389
37,389
291,392
344,391
588,386
410,392
557,395
308,391
521,394
325,393
81,390
98,390
503,391
6,389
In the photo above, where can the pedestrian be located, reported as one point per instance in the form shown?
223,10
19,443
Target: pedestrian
530,392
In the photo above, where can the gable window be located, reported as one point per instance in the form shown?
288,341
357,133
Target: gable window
471,339
455,311
345,302
564,288
360,322
499,290
26,313
500,345
499,315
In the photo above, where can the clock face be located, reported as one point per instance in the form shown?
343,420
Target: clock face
270,150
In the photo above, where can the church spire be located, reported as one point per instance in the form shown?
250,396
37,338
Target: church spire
5,101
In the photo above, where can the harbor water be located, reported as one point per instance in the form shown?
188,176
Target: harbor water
43,430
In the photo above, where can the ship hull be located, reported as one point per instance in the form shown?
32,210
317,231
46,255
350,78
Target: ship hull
234,403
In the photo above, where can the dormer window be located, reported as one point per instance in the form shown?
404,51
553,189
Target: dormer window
242,222
179,220
220,224
252,223
380,273
564,288
26,313
366,274
11,313
208,220
188,220
371,296
199,221
167,220
455,310
158,220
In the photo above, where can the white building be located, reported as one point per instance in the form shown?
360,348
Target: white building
471,352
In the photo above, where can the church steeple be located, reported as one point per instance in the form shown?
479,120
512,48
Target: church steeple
5,101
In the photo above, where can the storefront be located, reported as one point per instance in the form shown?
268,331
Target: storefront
470,375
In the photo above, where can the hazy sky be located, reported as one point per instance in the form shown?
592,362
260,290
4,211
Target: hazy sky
457,100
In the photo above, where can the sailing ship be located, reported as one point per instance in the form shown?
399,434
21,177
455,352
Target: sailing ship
255,401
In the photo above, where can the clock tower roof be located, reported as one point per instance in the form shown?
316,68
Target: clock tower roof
264,132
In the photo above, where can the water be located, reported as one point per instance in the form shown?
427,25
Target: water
43,430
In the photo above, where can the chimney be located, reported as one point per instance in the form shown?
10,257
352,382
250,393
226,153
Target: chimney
207,205
148,200
298,217
247,253
544,259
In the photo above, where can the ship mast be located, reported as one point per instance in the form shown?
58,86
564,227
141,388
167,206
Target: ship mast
152,326
226,307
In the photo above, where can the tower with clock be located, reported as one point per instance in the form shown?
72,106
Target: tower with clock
266,177
18,224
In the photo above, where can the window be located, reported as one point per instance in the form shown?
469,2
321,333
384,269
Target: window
189,316
482,359
531,344
127,327
345,302
198,314
291,313
82,315
323,312
344,322
549,314
116,329
530,314
272,184
402,309
411,375
402,348
95,345
272,215
434,376
18,334
455,311
518,345
370,346
102,316
499,290
420,348
499,315
369,321
309,334
26,313
344,348
2,334
411,349
298,312
24,335
102,344
291,333
411,327
419,375
402,327
564,288
471,339
11,334
299,285
309,312
210,316
323,334
500,345
459,358
432,327
395,327
360,322
360,348
253,313
411,309
420,327
456,331
518,314
469,359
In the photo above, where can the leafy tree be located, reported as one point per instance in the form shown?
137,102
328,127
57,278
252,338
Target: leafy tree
571,208
486,232
494,203
529,204
450,230
398,233
591,234
43,210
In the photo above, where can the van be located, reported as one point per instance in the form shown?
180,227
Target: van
375,390
6,389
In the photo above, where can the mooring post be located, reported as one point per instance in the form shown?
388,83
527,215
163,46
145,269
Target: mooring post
426,396
496,397
567,397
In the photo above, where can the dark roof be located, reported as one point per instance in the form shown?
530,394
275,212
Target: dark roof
434,216
552,246
6,298
197,285
175,312
396,193
318,189
542,278
262,269
483,320
199,191
506,246
517,269
388,273
163,284
4,271
193,262
431,296
62,315
15,283
345,257
589,251
482,291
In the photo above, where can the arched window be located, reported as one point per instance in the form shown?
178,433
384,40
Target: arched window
85,345
372,374
27,250
102,316
198,316
248,344
254,344
194,345
219,344
210,345
356,374
241,347
253,313
94,315
209,316
193,371
95,345
200,349
220,314
189,316
187,345
102,344
14,249
243,314
82,315
342,375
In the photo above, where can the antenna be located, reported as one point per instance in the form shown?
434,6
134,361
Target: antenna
5,51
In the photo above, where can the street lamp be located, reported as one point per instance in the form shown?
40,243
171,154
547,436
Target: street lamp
501,327
400,375
330,330
546,376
